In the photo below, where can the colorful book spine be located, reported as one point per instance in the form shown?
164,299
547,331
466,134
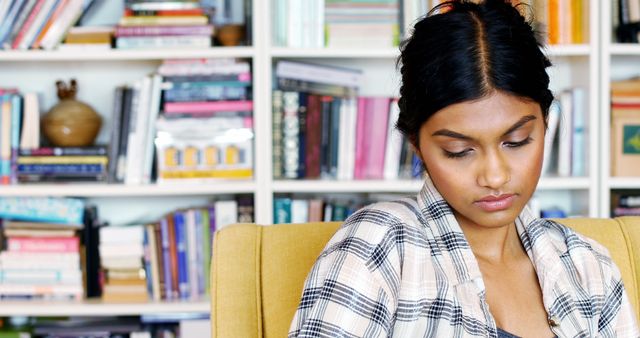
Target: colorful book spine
163,30
207,107
5,139
71,169
43,209
24,27
65,152
181,252
290,140
16,118
131,42
51,244
314,137
166,258
361,135
377,117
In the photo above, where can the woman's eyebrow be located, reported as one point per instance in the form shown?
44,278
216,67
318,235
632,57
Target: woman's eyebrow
514,127
519,124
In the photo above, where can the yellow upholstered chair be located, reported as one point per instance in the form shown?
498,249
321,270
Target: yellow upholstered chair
258,271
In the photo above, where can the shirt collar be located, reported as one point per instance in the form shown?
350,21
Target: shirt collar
459,262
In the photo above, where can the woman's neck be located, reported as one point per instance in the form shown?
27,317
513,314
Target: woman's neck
493,245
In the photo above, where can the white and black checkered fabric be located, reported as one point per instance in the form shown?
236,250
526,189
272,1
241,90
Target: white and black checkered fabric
405,269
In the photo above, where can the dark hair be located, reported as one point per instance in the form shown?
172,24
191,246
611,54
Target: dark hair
464,51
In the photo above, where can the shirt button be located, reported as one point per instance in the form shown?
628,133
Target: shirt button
554,321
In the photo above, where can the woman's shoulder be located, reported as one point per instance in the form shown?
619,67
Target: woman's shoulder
378,226
569,239
583,253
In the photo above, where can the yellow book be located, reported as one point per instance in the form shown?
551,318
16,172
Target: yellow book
186,174
63,160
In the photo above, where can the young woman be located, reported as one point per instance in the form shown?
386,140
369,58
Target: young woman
466,258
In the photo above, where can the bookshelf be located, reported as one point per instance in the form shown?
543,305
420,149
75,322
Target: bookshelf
99,72
99,308
619,61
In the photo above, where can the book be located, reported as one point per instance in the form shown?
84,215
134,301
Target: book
205,30
70,15
290,134
565,134
182,41
226,213
50,245
181,252
30,133
5,139
43,209
299,211
281,210
207,107
393,144
318,73
277,134
553,120
172,20
65,151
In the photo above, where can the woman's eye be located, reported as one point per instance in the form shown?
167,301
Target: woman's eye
459,154
519,143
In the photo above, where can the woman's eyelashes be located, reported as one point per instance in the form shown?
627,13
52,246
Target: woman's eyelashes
519,143
465,152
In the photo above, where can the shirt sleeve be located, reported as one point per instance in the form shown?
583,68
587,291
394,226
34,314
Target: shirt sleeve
617,318
342,297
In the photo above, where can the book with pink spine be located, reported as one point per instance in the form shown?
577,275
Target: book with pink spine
41,245
207,107
361,135
376,139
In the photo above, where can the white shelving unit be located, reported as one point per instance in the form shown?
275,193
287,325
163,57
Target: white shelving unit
98,308
99,72
619,61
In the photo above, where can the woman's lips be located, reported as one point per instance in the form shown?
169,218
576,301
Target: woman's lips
492,203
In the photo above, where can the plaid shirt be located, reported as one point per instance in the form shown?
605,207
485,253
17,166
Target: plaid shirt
405,269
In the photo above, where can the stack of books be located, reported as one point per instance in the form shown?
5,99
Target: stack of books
337,23
365,24
322,129
26,24
164,24
205,129
121,255
41,259
69,164
626,205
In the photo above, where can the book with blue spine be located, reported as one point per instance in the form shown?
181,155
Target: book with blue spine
181,244
16,121
147,262
69,211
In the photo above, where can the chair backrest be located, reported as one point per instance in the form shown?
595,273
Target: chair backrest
258,271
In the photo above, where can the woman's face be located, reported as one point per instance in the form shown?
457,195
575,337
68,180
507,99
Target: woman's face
485,157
